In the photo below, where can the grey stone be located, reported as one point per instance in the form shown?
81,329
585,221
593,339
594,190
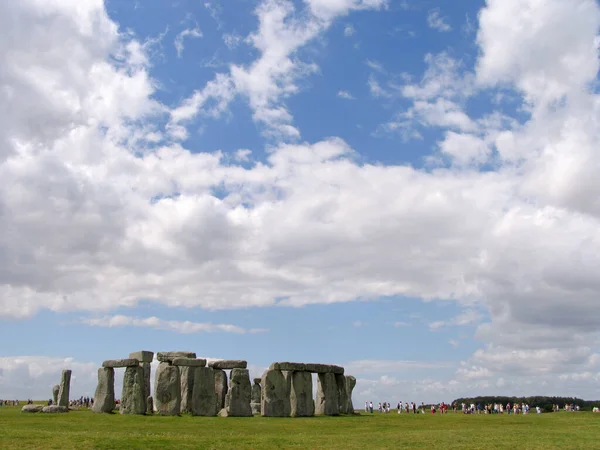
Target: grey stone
255,407
323,368
256,397
238,396
104,398
189,362
220,387
128,362
147,374
327,401
257,380
223,412
275,394
32,408
55,390
53,409
350,383
167,390
65,387
227,364
142,356
288,366
133,398
170,356
301,394
186,374
340,381
204,397
149,405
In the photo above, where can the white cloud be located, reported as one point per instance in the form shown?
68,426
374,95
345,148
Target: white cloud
437,22
183,327
345,95
467,317
349,30
232,40
187,33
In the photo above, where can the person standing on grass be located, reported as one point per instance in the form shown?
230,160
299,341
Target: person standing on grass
371,407
399,407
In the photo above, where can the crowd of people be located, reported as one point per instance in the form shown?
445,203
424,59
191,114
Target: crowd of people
442,408
9,402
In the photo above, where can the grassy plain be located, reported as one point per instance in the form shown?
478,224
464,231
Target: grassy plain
85,430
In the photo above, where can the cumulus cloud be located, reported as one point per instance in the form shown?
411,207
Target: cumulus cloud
94,218
436,21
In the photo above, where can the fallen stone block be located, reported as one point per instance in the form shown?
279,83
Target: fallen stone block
32,408
53,409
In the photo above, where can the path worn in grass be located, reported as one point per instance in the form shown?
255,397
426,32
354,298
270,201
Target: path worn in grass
84,430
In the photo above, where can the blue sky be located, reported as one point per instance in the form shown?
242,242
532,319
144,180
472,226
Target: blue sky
404,188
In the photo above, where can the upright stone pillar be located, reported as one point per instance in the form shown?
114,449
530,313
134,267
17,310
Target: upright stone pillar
340,381
133,398
187,386
204,397
350,383
275,394
104,398
327,402
301,398
238,397
65,387
167,390
255,398
145,358
55,390
220,387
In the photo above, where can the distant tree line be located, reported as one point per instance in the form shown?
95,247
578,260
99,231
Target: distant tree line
542,401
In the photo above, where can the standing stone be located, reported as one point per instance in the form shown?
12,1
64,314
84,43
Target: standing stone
327,402
149,405
301,399
340,381
350,383
238,397
104,398
275,394
186,374
220,387
65,386
133,400
55,390
145,358
167,390
204,397
255,398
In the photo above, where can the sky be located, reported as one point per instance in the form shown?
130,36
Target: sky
405,188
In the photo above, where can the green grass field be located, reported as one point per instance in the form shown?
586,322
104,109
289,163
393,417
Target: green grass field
83,430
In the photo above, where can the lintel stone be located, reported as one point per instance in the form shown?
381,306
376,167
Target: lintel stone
143,356
170,356
189,362
227,364
129,362
288,366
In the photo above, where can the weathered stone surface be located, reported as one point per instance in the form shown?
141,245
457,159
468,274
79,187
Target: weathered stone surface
133,398
288,366
104,398
189,362
256,397
52,409
223,412
301,396
142,356
170,356
147,374
275,394
65,387
55,390
350,383
204,397
257,380
340,381
238,396
327,401
255,407
127,362
32,408
167,390
149,405
227,364
220,387
338,370
323,368
186,375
